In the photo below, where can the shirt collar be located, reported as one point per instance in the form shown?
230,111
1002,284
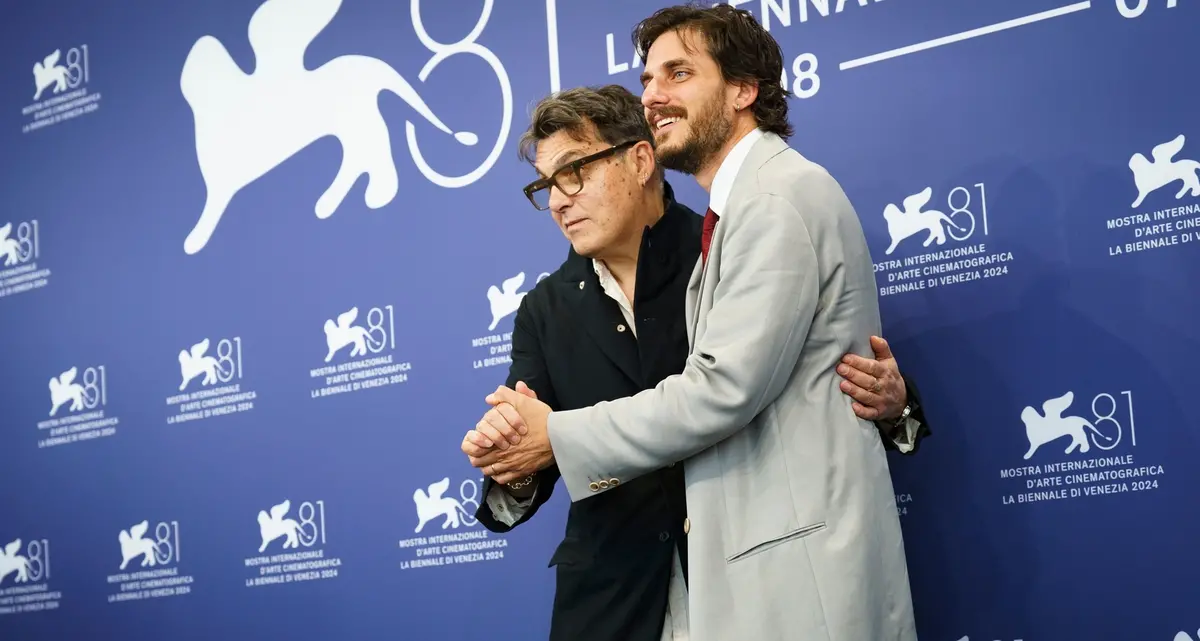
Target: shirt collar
609,284
601,270
722,182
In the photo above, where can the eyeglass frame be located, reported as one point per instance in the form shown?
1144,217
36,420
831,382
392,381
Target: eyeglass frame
577,165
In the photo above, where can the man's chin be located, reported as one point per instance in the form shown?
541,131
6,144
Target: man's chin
584,247
683,162
675,156
668,142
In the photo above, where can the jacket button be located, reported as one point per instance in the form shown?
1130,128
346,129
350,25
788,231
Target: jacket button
620,328
663,536
687,525
604,485
580,284
614,482
594,486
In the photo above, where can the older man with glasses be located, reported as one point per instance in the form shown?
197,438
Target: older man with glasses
608,324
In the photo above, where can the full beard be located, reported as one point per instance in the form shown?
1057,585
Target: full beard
710,130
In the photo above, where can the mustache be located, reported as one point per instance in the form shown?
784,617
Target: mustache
668,112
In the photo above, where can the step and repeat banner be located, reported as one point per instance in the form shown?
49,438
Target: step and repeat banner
259,263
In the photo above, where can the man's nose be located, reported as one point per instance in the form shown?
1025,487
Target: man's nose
652,97
559,202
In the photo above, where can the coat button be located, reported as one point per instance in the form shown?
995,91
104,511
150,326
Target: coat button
687,526
663,536
620,328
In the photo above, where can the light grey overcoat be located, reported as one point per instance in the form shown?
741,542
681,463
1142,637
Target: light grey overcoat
793,532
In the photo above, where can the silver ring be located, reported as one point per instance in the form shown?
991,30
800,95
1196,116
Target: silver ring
877,387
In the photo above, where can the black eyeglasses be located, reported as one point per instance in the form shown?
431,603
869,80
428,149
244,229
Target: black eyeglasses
568,178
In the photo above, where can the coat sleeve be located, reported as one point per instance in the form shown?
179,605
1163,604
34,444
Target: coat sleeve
762,309
499,511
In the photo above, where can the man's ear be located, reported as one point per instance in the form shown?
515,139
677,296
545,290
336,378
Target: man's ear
645,161
747,93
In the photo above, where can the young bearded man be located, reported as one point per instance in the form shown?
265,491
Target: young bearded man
609,323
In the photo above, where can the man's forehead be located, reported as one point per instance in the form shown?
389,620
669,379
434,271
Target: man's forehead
560,149
676,45
673,49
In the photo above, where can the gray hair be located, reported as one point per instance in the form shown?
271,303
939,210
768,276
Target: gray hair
615,112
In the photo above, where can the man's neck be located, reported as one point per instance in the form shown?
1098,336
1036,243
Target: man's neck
622,261
709,170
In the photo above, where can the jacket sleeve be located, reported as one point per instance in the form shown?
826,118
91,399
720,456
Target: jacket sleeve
499,511
762,309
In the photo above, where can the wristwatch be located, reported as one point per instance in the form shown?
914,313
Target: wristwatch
890,425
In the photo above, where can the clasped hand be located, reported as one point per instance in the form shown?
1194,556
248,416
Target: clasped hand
510,441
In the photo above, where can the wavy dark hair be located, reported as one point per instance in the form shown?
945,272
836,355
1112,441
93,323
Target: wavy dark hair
743,50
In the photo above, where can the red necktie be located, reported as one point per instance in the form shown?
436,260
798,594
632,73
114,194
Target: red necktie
710,223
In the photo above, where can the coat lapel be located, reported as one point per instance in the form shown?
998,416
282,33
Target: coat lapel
692,302
765,148
599,314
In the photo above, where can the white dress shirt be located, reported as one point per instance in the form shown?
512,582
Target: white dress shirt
718,193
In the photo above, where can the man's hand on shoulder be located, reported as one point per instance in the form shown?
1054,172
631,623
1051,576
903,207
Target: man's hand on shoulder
876,386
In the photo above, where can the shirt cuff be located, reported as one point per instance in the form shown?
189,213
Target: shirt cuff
904,436
507,508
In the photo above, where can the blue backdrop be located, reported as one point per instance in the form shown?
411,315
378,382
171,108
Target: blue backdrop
247,318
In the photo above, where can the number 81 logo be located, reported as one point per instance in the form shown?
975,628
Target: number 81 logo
441,51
